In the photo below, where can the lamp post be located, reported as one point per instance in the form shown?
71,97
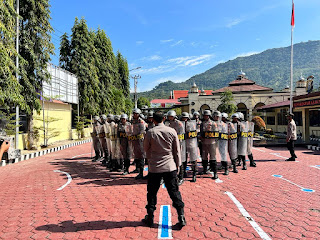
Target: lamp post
17,76
135,79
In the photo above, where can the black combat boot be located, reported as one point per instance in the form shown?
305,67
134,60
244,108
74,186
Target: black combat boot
234,165
180,176
181,218
205,167
136,163
225,166
244,167
239,160
213,166
194,172
140,169
185,168
148,219
120,165
252,163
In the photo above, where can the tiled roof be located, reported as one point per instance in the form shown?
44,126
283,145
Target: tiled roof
175,101
275,105
243,88
184,93
241,82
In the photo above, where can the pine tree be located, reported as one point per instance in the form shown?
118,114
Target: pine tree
123,74
65,52
83,65
10,89
35,48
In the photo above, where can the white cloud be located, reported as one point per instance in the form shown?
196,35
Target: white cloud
139,42
152,58
177,43
245,54
191,60
175,79
166,41
234,22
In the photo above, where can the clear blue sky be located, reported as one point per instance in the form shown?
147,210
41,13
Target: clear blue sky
176,39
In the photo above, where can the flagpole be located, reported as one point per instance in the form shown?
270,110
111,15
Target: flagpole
291,69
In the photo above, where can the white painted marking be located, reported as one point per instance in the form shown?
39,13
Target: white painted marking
316,166
218,180
258,149
80,155
165,225
302,188
278,155
69,179
244,212
163,186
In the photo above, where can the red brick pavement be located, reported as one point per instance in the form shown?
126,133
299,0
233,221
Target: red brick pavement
102,205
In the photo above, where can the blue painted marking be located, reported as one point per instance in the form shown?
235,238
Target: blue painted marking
280,176
307,190
188,168
165,222
146,168
163,185
317,165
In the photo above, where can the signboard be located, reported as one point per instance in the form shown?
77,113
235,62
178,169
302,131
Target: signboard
63,85
307,103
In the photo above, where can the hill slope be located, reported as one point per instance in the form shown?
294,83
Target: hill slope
269,68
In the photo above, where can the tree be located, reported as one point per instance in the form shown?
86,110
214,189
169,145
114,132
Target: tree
83,65
65,52
35,48
142,102
226,103
123,71
10,89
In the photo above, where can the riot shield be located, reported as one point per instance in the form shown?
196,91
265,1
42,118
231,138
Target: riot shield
223,141
242,138
191,139
250,137
232,140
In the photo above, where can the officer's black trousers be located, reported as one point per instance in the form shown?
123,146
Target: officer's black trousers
170,180
290,146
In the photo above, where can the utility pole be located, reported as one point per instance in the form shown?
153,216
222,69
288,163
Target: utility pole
135,78
17,76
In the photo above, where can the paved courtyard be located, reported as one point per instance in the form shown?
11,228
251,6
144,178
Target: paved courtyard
63,195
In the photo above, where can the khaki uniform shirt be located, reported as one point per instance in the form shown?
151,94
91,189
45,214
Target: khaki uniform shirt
162,146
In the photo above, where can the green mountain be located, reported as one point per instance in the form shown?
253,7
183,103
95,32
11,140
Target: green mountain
270,68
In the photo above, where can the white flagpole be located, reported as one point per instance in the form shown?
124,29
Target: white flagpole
291,71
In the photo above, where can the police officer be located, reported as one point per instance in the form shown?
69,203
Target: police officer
242,141
110,119
113,136
250,143
103,139
177,125
233,141
223,142
196,117
138,132
191,142
209,137
123,129
117,147
95,139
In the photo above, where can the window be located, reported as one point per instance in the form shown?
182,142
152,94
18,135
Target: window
298,118
282,119
271,120
314,116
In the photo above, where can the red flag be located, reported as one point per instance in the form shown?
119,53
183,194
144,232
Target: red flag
292,15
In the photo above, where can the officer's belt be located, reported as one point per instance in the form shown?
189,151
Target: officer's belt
250,134
181,136
102,135
93,134
233,136
244,134
107,135
113,137
122,135
135,137
210,134
191,134
224,136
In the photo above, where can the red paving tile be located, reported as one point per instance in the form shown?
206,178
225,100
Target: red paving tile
98,204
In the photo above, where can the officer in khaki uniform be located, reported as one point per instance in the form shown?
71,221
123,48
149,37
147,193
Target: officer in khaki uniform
95,139
125,148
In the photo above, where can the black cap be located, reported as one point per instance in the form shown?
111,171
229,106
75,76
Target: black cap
290,114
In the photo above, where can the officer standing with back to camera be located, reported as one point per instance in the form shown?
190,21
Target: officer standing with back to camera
163,151
137,137
123,129
177,125
196,117
223,143
103,140
242,141
95,139
233,141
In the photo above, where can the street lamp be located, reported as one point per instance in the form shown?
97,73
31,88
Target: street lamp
135,78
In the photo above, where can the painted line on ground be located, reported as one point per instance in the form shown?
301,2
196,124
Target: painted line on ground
218,180
258,149
165,225
302,188
69,179
163,185
80,155
244,212
316,166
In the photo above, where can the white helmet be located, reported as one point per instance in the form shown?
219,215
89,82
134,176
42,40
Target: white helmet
136,110
172,113
235,115
241,116
224,115
125,116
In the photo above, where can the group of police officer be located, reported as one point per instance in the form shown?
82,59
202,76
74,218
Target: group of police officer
116,140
